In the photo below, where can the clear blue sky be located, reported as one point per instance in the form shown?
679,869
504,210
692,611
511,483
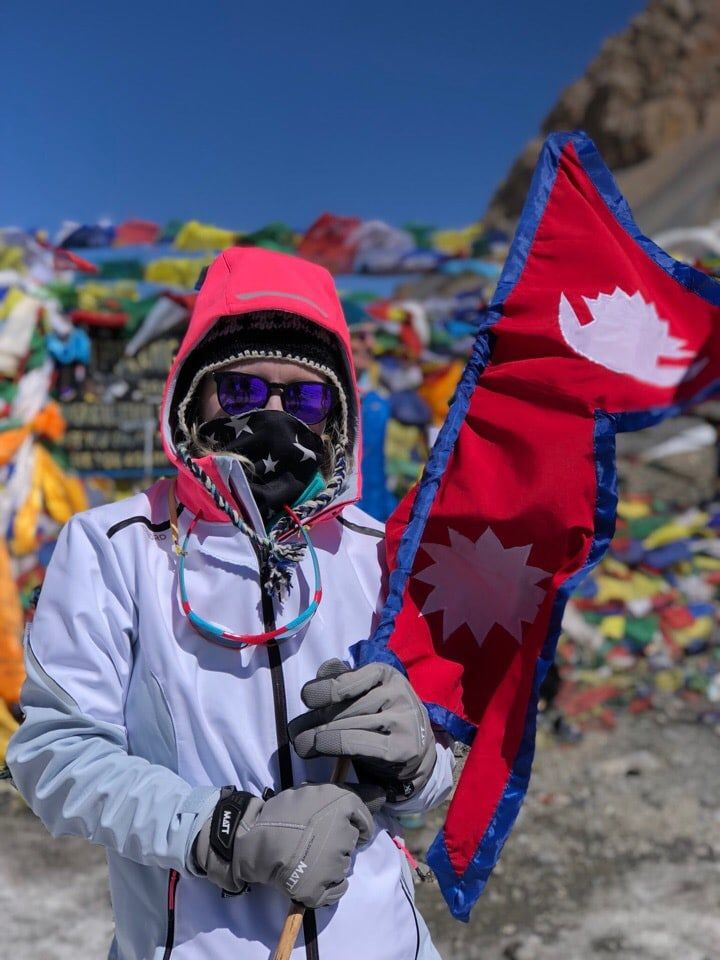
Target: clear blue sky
242,113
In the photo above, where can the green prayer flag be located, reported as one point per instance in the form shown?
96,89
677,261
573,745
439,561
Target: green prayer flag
643,526
121,270
641,630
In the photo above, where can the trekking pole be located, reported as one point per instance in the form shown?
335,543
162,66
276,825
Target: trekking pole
294,919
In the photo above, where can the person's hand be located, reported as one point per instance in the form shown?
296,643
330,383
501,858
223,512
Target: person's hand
372,715
300,841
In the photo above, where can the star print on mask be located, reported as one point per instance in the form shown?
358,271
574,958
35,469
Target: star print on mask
306,454
280,454
219,432
239,425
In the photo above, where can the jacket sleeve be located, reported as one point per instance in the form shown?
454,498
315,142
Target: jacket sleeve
438,787
69,758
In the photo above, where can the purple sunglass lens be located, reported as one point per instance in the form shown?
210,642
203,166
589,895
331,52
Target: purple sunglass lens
309,402
240,392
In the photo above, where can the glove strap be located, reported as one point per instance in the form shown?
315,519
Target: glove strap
395,790
398,790
229,811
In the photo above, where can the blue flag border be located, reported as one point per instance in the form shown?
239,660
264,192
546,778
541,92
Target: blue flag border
461,893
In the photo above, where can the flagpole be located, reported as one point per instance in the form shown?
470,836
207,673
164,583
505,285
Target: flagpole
294,919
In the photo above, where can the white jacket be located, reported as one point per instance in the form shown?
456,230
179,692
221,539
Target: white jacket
133,722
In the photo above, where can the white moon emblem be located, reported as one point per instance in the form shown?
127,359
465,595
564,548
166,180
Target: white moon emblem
627,335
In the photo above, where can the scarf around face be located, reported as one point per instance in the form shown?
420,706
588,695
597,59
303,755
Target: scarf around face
282,456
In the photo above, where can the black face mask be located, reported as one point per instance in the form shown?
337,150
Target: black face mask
286,455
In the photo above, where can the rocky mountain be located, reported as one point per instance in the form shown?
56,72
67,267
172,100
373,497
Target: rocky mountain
651,102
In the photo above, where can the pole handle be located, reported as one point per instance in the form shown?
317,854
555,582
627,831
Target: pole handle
290,932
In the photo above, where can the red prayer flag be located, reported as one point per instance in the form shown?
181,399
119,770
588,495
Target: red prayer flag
132,232
331,241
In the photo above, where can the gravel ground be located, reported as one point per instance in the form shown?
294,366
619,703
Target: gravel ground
616,855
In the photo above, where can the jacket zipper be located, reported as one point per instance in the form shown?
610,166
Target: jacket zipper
173,880
283,742
413,864
409,899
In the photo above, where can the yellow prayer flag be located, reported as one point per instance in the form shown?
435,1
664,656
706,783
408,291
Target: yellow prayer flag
12,298
456,242
702,627
675,531
175,271
640,585
613,627
194,235
633,509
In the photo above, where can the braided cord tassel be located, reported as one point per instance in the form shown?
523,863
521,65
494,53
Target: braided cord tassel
278,558
305,510
275,569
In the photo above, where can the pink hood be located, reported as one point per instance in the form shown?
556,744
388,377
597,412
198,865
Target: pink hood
244,280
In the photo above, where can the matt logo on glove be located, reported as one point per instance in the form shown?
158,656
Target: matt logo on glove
295,875
226,817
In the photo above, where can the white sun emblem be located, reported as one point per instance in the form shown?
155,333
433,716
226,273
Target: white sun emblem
481,583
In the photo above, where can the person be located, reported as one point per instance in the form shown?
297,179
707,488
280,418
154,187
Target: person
377,500
179,630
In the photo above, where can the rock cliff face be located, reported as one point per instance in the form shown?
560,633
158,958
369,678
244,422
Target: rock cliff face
651,102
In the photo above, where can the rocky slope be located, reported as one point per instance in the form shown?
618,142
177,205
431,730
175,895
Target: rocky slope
648,100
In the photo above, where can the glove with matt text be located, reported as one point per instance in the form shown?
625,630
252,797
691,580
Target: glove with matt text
300,841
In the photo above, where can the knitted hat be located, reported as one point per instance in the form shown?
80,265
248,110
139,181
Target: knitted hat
269,334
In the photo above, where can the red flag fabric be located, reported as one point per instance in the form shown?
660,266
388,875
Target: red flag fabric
332,242
593,329
99,318
132,232
65,260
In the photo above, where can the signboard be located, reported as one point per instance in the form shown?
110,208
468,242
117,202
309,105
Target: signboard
114,430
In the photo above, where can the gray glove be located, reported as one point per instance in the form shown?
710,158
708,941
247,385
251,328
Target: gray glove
373,715
300,841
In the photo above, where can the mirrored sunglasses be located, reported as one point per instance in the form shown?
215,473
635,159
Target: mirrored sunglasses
239,393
